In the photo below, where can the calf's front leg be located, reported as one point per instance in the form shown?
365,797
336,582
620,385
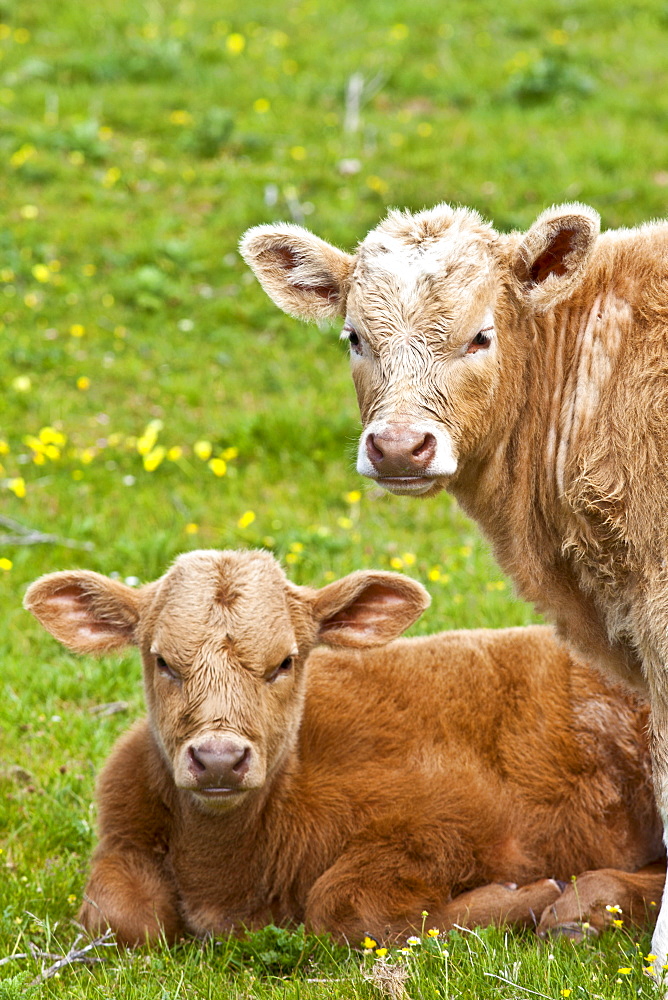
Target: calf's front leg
130,893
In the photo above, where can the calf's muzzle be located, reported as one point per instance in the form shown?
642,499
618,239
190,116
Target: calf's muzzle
218,764
400,450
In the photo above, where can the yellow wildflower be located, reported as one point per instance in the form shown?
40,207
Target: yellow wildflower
49,435
17,486
626,971
41,273
369,943
408,558
613,908
175,453
77,330
398,32
218,466
377,184
396,562
296,547
180,117
147,441
261,105
6,564
434,574
235,43
291,558
71,899
566,993
229,453
153,459
381,952
191,528
246,518
354,496
298,153
617,923
22,383
203,449
110,178
433,932
83,383
344,522
29,211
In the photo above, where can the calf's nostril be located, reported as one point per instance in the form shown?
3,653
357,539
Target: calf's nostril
194,759
426,448
372,449
243,761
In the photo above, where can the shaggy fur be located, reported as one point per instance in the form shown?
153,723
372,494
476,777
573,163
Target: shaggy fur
377,786
537,363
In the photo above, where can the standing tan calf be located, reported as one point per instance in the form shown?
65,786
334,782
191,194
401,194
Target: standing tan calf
349,787
528,374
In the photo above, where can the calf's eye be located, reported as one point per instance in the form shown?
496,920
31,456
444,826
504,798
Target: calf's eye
481,341
283,668
165,668
351,335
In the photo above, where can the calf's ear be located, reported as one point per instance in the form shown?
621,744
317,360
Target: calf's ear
553,254
368,608
87,612
305,276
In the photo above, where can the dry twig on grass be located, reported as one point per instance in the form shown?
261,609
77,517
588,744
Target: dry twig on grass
74,955
23,535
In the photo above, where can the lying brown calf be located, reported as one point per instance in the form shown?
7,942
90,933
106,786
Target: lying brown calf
346,787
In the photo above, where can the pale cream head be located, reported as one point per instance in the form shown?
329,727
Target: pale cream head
421,300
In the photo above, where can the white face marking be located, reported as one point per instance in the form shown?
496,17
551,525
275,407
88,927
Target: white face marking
409,263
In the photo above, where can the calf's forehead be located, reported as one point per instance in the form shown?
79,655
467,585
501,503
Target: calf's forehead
434,267
238,601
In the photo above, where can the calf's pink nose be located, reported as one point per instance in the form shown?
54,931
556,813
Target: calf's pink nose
219,762
400,450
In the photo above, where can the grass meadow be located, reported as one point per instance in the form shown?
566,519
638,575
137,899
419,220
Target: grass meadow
152,400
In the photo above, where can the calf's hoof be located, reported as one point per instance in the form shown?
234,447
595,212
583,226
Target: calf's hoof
571,929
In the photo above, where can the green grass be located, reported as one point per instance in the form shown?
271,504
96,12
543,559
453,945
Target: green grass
138,142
